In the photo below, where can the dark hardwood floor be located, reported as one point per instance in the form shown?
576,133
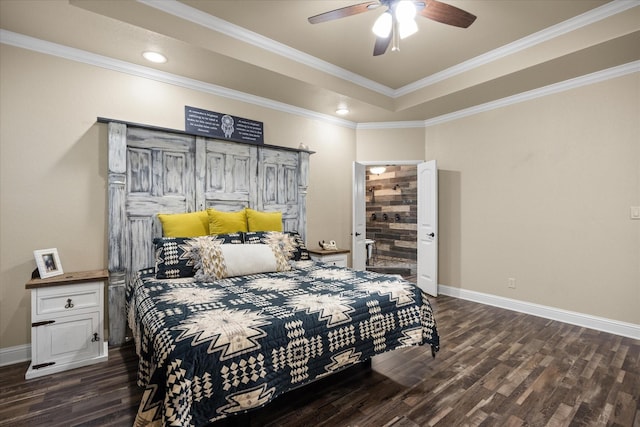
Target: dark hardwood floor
495,368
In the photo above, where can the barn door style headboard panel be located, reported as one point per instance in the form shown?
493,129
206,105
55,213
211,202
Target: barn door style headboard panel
154,170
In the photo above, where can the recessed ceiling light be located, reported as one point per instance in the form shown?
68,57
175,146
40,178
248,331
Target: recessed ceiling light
342,111
156,57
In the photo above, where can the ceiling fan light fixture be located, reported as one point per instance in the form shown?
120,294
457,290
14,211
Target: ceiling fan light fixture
398,20
405,11
382,26
407,28
406,16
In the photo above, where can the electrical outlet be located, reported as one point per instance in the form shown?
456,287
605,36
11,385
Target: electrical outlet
511,283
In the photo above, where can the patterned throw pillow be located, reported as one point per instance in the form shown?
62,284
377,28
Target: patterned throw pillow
290,242
300,253
174,255
208,260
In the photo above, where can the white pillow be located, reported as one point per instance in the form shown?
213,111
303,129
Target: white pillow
252,259
217,261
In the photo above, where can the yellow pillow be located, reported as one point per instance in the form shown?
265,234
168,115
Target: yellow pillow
190,224
264,221
226,222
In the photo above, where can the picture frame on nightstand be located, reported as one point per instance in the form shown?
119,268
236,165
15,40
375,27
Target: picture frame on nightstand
48,262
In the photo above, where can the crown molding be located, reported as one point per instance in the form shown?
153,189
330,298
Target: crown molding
587,79
188,13
391,125
599,76
613,8
42,46
66,52
183,11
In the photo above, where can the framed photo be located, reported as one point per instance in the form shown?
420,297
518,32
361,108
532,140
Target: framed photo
48,262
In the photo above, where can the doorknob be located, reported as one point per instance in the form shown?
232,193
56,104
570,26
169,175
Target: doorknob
432,235
357,234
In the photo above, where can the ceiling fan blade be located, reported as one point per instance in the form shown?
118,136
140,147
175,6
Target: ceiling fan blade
343,12
447,14
382,44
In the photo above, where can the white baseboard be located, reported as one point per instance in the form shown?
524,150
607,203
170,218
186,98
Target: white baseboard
616,327
17,354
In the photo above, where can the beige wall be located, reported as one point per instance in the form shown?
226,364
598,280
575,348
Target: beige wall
541,192
390,144
53,158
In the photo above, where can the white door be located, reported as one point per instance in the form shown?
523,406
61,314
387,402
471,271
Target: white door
428,227
358,234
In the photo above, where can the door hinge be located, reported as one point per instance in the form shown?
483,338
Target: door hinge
43,365
46,322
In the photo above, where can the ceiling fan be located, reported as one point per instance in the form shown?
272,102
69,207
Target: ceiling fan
398,20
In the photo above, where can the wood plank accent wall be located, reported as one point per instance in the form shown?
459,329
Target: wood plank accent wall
394,194
154,170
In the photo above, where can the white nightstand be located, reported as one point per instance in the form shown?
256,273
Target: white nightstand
67,317
336,257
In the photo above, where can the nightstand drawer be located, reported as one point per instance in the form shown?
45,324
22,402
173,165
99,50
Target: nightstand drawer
337,259
62,300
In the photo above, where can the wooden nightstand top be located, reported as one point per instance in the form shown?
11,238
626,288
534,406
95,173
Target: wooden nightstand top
318,251
68,278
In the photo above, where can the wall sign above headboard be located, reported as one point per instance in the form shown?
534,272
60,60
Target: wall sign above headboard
222,126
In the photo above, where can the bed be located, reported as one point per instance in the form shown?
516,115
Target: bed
218,335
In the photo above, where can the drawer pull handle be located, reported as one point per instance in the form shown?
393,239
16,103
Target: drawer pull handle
95,337
69,304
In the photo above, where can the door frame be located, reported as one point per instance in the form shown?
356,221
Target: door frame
366,164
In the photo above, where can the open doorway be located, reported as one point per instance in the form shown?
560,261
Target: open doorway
391,203
421,223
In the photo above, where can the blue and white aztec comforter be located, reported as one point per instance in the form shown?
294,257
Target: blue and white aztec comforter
210,350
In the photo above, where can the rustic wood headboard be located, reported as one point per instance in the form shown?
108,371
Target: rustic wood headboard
154,170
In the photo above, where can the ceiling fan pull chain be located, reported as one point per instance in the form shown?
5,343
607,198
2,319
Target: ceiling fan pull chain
395,46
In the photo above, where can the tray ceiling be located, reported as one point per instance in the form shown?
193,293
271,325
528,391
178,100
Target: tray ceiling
268,49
